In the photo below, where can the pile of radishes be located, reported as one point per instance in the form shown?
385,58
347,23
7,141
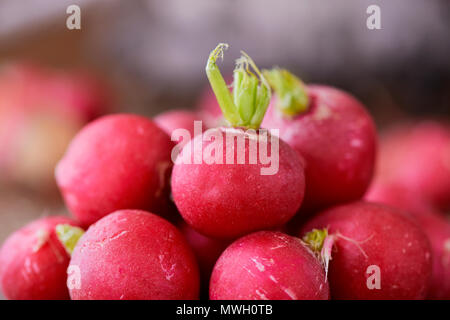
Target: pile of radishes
165,213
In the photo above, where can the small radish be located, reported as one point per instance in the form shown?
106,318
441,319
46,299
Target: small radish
333,133
222,184
74,94
268,265
434,224
33,262
399,197
437,229
178,119
133,255
416,157
371,252
42,109
116,162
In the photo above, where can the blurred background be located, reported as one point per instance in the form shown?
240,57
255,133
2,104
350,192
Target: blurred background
147,56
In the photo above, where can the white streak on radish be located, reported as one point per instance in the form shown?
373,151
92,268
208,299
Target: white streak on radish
323,112
169,272
42,237
258,265
290,293
249,271
261,294
277,247
118,235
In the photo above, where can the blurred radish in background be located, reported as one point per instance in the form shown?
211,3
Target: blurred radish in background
413,174
41,109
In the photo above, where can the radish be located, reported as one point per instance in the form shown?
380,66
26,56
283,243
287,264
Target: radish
416,157
399,197
412,175
375,252
133,255
331,130
74,94
42,109
178,119
116,162
33,262
268,265
437,229
434,224
228,182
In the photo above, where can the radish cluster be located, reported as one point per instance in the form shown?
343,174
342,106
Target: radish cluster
233,203
413,174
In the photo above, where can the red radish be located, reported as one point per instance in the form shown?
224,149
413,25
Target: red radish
42,109
413,174
116,162
206,249
436,227
75,93
268,265
33,262
217,200
329,128
215,188
82,94
133,255
417,158
398,197
379,253
22,159
333,133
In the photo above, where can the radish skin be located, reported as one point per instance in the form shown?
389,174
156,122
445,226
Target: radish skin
434,224
416,157
134,255
268,265
230,200
369,236
336,137
116,162
228,182
33,262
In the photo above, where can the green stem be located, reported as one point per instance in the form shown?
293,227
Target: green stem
321,244
315,238
247,104
292,97
68,235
